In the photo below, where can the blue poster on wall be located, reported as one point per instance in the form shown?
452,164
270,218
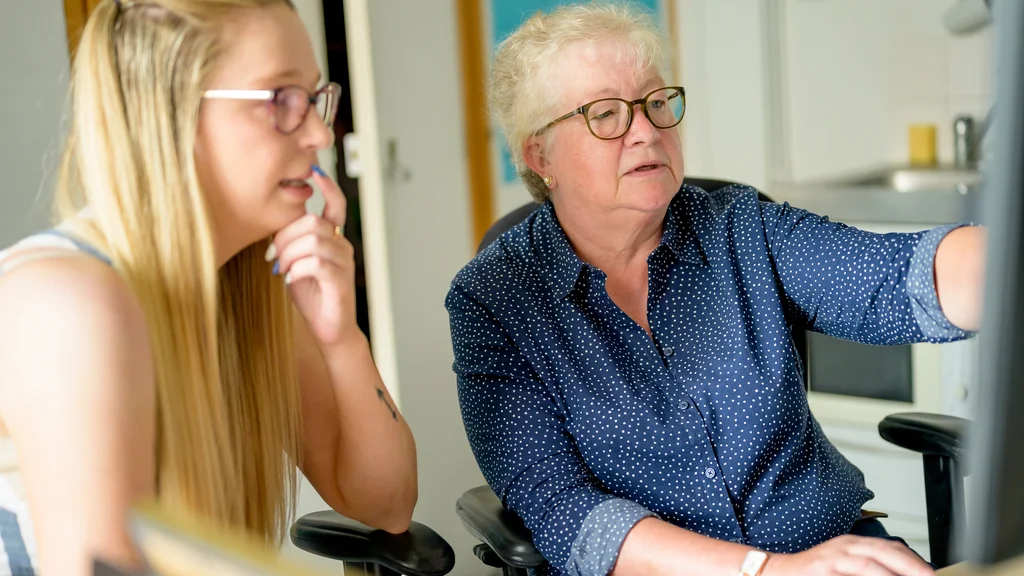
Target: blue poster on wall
506,16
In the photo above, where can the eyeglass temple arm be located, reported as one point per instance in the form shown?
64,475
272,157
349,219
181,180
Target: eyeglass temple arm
560,118
239,94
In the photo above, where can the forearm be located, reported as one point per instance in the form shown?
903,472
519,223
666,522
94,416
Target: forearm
654,547
960,275
376,454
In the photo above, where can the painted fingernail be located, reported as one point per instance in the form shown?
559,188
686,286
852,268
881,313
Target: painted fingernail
277,268
288,278
271,252
319,170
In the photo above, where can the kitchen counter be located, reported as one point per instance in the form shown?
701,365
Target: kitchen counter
893,194
852,203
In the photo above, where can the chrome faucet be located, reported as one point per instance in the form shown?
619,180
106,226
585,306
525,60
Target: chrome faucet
968,139
965,144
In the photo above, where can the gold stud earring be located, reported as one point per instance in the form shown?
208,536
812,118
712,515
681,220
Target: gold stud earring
549,180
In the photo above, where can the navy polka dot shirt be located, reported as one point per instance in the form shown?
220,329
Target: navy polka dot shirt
583,425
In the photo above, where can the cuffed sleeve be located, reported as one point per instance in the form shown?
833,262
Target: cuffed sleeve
924,298
601,536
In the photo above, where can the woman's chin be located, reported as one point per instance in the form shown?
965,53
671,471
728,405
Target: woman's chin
649,197
278,218
290,209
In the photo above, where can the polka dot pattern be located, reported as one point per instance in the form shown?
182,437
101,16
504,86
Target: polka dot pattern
583,425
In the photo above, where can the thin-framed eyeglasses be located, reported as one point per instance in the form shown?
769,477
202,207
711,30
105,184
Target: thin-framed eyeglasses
289,105
610,118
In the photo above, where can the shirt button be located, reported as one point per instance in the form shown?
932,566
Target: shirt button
668,351
684,405
738,541
710,472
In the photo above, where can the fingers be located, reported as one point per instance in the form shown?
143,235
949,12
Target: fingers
308,225
332,250
862,566
314,267
334,200
893,556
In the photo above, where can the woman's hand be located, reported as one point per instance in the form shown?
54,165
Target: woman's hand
850,555
319,267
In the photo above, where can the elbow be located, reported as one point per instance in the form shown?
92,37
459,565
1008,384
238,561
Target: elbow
397,519
402,504
392,514
398,524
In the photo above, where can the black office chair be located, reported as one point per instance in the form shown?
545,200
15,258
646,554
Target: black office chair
506,543
417,552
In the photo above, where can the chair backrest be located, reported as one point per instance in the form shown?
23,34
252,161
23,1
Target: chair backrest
519,214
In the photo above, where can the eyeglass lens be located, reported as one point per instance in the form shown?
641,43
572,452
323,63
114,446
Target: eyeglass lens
610,118
292,104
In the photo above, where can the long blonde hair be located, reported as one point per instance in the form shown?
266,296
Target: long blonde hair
228,404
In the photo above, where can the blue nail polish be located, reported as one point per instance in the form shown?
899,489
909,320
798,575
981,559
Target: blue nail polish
319,170
277,268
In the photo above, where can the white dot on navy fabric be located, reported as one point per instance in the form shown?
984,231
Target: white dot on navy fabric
584,426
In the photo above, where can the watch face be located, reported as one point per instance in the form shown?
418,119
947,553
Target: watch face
753,562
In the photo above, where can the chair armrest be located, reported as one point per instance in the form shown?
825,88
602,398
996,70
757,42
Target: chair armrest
936,434
488,521
417,552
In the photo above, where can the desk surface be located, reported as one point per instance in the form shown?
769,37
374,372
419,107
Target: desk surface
1013,567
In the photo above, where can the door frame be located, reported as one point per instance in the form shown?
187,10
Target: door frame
371,195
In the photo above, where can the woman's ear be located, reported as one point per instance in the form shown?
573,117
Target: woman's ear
533,156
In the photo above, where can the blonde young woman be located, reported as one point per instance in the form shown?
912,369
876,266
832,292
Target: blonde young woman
187,332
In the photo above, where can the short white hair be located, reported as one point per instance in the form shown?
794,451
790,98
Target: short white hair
521,93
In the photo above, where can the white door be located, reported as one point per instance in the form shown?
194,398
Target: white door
406,97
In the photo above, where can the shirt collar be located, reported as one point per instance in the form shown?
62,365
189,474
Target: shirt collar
680,237
562,268
560,264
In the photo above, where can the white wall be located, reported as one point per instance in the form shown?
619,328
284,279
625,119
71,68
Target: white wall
34,69
862,71
723,72
854,74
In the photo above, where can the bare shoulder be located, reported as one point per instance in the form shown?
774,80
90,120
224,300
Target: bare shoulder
77,391
67,320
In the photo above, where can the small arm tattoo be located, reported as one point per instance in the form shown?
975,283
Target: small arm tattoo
384,399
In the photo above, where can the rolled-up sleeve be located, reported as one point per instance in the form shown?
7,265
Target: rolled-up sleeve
924,298
518,436
858,285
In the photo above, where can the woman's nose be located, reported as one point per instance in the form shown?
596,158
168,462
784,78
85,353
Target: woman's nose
315,133
641,130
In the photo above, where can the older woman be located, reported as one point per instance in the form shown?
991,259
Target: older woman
625,368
